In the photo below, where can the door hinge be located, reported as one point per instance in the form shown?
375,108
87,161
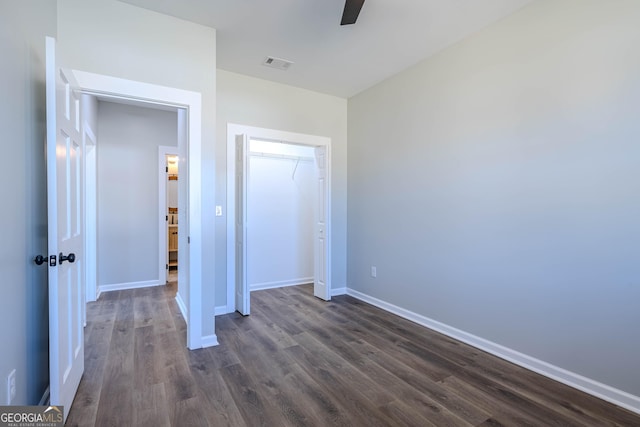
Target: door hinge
188,239
167,266
166,169
166,218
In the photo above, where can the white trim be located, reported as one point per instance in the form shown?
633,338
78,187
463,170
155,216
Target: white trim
89,188
281,283
595,388
191,102
339,291
183,308
129,285
222,310
210,341
44,400
90,133
270,135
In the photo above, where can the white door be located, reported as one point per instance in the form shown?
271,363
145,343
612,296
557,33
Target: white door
243,297
320,288
64,193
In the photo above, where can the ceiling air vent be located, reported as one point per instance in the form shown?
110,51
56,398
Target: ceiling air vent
277,63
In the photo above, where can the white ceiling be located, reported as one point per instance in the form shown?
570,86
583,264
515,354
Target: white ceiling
390,36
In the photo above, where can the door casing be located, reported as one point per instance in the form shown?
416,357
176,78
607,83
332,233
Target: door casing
190,150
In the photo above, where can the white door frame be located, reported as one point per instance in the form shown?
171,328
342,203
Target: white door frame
90,215
190,158
269,135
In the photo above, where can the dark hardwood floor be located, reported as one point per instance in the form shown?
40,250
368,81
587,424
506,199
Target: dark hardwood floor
302,362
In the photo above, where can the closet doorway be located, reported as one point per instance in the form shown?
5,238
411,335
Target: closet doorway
238,175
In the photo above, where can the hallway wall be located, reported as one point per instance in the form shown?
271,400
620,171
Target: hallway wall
128,141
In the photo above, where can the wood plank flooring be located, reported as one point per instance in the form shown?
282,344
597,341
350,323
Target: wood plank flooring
298,361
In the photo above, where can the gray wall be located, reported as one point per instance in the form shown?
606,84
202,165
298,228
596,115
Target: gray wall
128,210
24,326
495,186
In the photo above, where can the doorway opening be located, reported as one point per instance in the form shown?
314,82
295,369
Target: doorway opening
168,214
238,174
128,193
172,215
188,107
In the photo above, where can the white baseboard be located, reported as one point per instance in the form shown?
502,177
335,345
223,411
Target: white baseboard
280,283
182,306
128,285
338,291
222,309
44,400
595,388
210,341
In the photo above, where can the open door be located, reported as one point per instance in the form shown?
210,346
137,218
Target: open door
320,288
65,232
243,296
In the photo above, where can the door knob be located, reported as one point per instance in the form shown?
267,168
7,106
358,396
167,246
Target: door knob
40,259
71,257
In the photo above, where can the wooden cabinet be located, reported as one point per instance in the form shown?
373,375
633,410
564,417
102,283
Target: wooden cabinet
173,245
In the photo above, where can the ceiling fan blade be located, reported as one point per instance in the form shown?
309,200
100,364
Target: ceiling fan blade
351,11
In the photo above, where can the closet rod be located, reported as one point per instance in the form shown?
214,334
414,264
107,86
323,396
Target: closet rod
281,156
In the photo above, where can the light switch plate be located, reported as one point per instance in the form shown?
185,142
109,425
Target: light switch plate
218,210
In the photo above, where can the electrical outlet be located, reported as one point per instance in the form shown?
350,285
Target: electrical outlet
11,387
374,271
